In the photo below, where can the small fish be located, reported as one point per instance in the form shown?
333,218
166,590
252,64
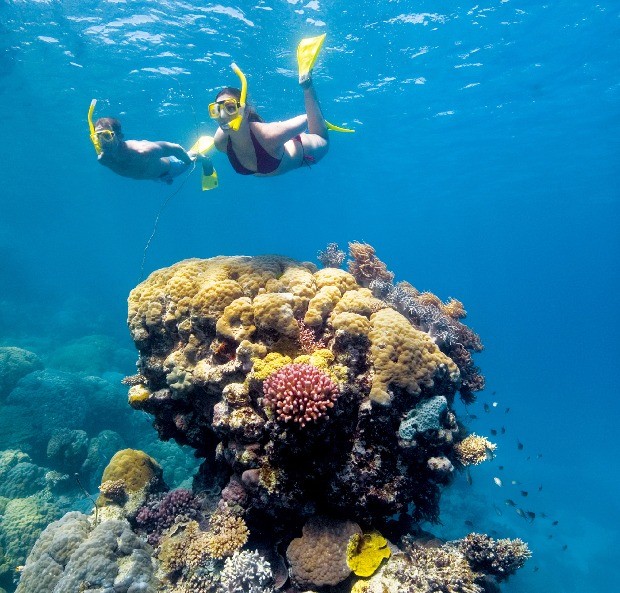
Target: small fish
494,404
555,523
494,393
510,502
507,410
468,477
528,458
486,408
501,467
550,536
469,523
535,569
521,513
539,456
473,416
531,515
519,445
498,482
494,432
503,430
514,482
524,493
540,488
543,515
564,547
498,511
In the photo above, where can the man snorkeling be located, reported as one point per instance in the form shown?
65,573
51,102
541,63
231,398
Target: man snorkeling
256,147
140,159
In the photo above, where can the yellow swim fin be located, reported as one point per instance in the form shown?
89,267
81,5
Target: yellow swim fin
307,53
335,128
209,175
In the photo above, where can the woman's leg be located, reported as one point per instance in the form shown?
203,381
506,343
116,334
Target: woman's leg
316,141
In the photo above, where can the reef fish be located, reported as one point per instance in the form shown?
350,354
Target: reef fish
498,482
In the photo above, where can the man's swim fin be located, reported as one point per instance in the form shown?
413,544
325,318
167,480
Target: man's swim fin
209,175
307,53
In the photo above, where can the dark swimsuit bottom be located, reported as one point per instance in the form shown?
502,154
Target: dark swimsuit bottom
265,163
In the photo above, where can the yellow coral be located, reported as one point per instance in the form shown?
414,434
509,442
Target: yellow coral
403,356
134,467
321,305
474,449
237,320
276,311
138,394
342,280
269,365
227,534
360,301
352,324
366,552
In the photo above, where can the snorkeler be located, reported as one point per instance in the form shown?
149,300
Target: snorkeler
256,147
140,159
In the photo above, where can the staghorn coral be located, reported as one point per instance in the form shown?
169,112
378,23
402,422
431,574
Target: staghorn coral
319,557
473,450
299,393
499,558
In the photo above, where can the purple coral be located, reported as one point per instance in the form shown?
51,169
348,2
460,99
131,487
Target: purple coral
160,513
300,393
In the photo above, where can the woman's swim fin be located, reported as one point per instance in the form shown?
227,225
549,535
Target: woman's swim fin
307,53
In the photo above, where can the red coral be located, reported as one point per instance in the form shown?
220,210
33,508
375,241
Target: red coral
300,393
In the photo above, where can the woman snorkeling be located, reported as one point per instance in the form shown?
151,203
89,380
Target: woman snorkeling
256,147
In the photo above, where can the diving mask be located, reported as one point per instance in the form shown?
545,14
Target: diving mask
227,107
107,135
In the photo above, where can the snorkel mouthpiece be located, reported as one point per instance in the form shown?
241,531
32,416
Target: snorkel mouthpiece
93,136
235,123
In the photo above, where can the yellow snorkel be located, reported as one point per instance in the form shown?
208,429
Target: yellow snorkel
234,124
93,136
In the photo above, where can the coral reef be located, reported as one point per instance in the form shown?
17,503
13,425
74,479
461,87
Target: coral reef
15,363
246,572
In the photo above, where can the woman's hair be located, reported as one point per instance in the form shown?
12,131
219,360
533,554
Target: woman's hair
250,113
110,123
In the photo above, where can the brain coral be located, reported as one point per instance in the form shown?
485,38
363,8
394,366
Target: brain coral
215,338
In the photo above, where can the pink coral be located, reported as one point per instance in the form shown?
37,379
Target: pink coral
300,393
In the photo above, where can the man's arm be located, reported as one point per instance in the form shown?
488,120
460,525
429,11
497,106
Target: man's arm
175,150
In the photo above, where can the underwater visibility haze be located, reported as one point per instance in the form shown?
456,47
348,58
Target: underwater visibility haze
460,358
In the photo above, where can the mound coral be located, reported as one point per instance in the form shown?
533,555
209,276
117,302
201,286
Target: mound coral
299,393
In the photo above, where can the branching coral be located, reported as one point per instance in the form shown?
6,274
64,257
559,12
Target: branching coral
246,572
332,256
474,449
499,558
366,266
300,393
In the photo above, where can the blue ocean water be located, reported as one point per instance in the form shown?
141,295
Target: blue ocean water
483,167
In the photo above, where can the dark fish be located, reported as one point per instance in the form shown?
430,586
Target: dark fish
555,523
501,467
543,515
531,515
498,511
564,547
494,393
494,432
528,458
503,430
473,416
521,513
487,408
468,477
539,456
519,445
510,502
507,410
536,569
524,492
469,523
550,536
540,488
